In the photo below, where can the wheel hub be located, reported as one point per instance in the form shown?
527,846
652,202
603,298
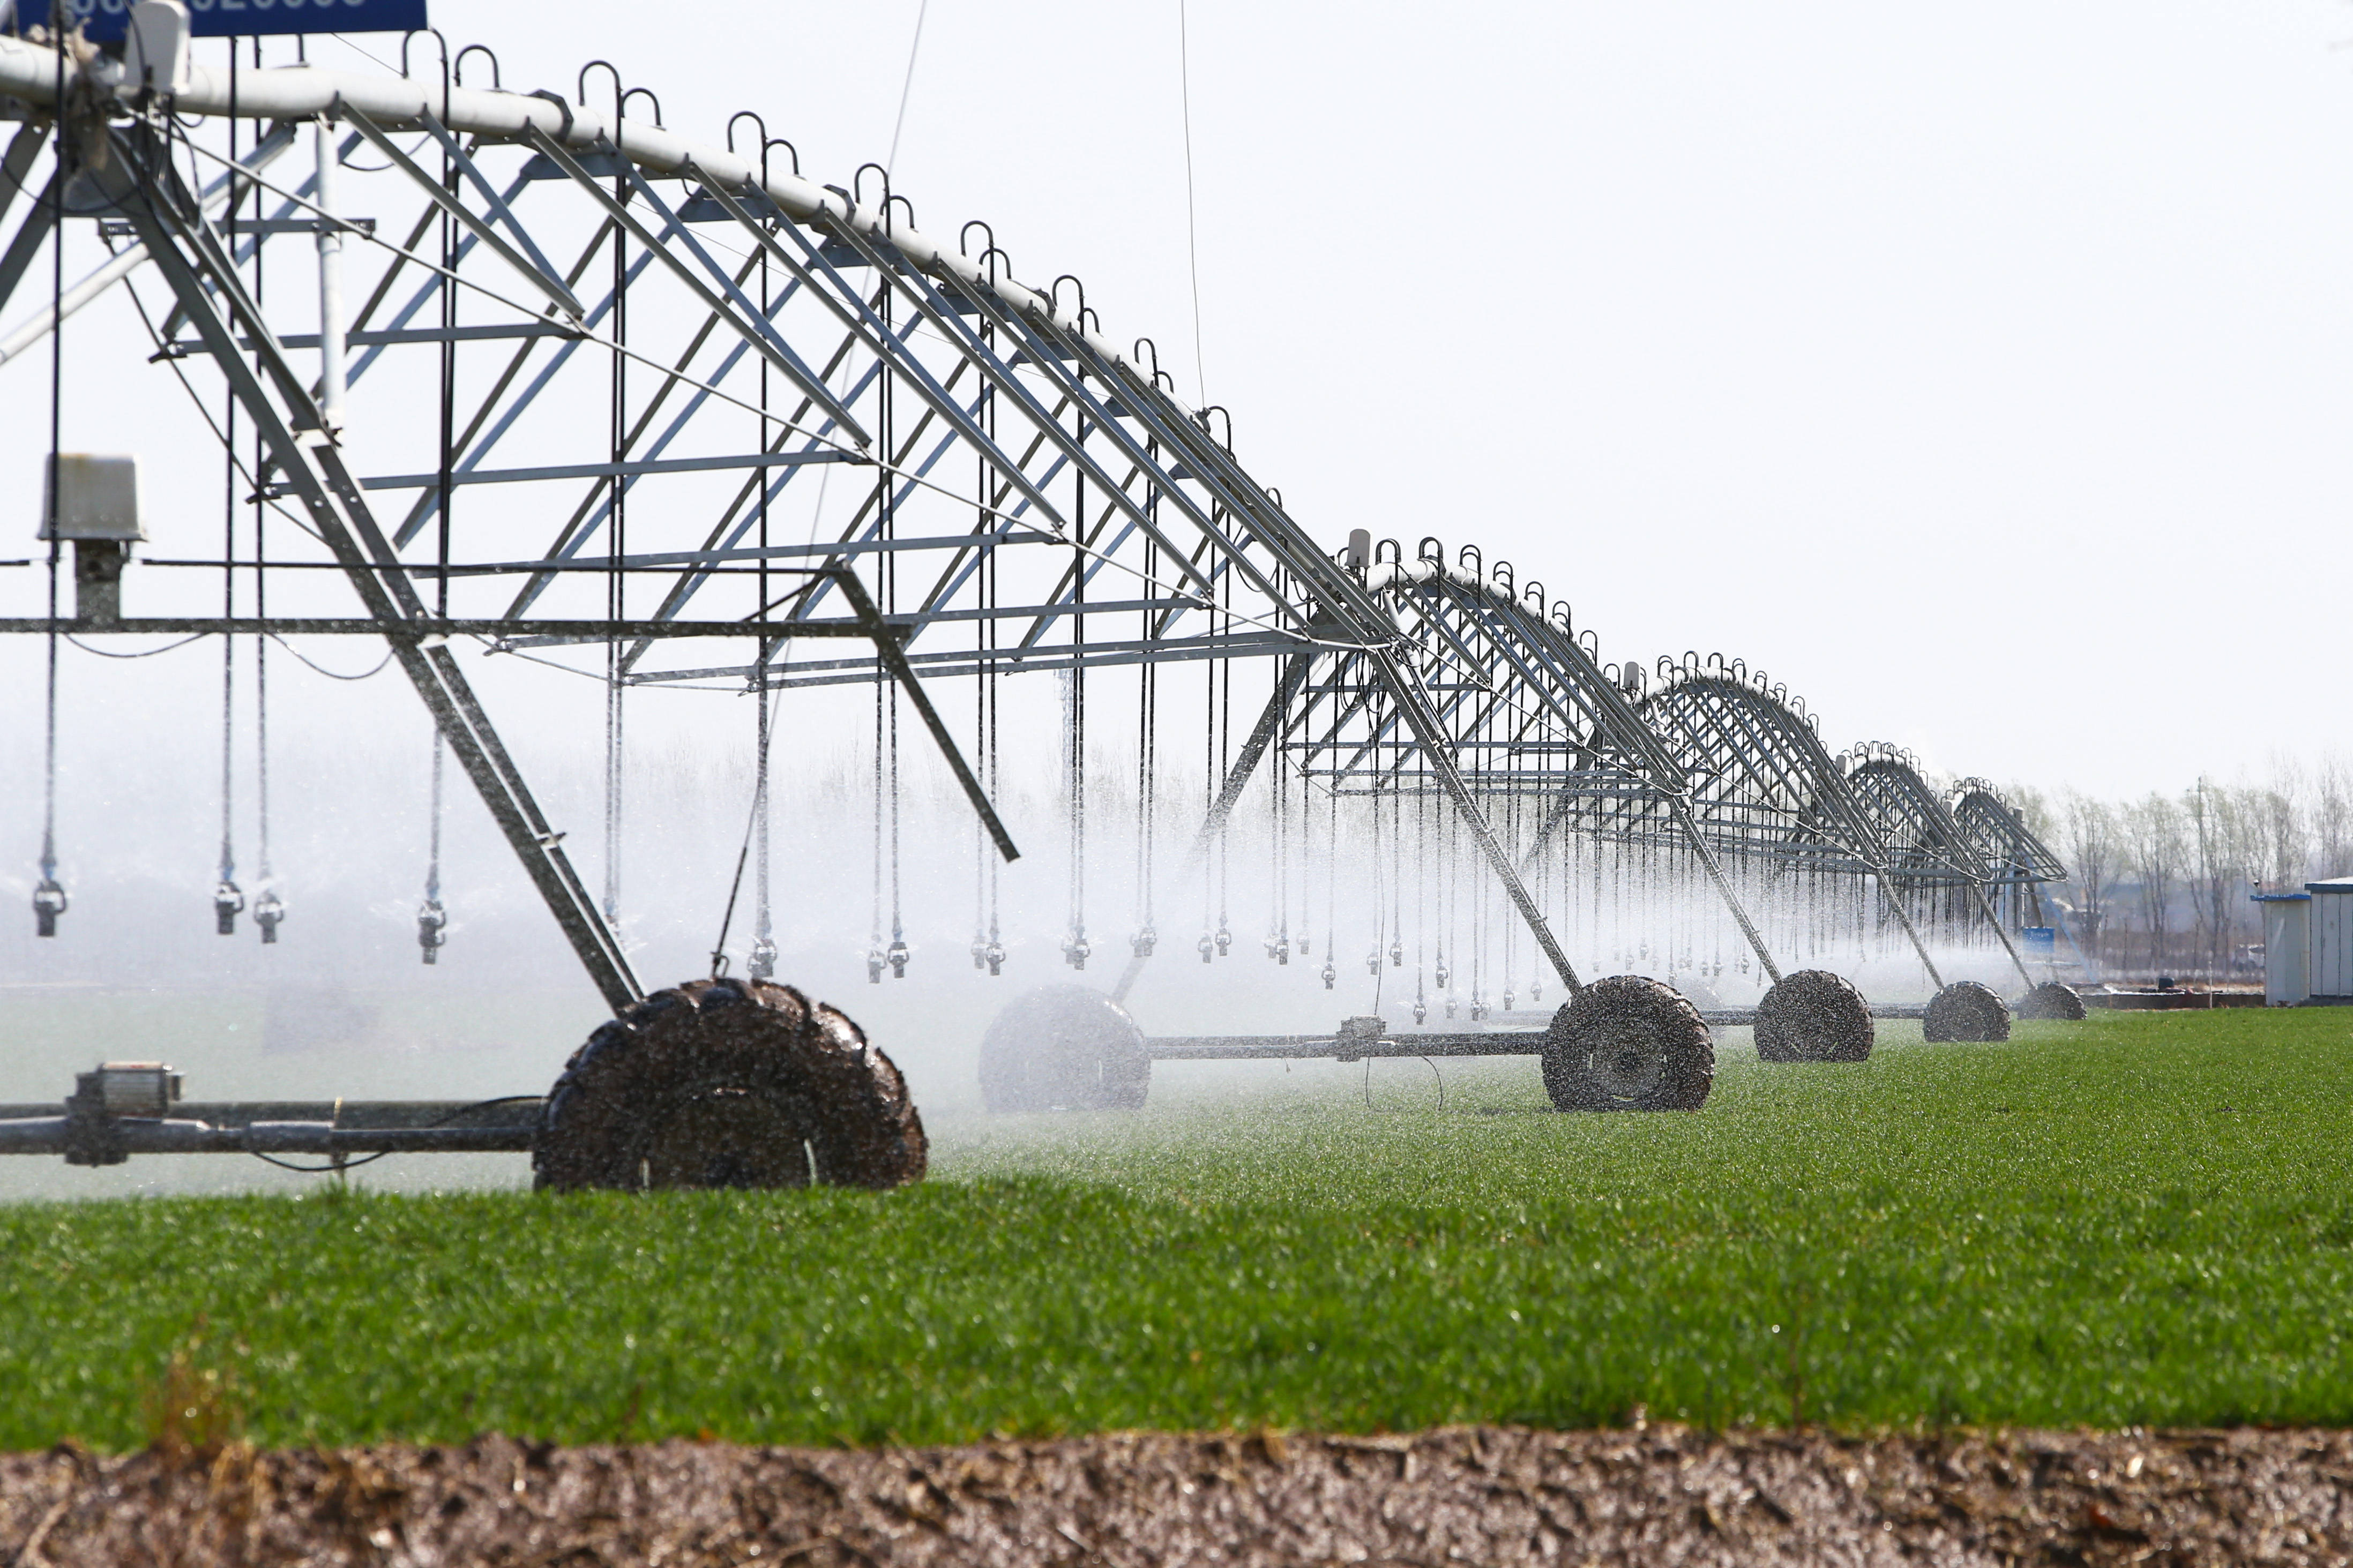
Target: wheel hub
725,1136
1628,1065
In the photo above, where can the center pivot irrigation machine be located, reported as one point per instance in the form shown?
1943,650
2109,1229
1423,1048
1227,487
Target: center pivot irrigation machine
1418,729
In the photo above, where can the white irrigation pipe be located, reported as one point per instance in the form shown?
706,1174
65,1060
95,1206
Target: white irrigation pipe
30,72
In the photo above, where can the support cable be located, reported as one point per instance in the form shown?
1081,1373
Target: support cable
228,899
874,925
1192,245
762,963
887,514
752,821
1075,947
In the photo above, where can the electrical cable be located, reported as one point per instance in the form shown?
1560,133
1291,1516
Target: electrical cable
142,653
298,653
340,1166
906,87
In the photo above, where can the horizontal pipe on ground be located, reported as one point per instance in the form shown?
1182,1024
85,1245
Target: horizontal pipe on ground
522,1111
60,1134
1520,1042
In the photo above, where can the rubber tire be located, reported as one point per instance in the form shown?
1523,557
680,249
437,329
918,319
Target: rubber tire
1064,1047
2051,1000
729,1083
1814,1015
1628,1010
1967,1011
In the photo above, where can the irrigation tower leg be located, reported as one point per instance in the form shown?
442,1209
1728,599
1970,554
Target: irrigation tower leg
1976,889
1681,809
1895,908
307,456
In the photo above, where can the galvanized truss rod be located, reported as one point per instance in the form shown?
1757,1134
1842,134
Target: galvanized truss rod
949,663
142,182
510,633
886,646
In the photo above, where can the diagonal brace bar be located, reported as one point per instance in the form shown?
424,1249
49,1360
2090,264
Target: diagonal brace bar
894,659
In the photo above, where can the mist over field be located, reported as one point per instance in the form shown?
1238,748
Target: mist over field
342,1006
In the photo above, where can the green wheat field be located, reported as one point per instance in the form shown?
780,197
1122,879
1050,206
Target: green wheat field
2145,1219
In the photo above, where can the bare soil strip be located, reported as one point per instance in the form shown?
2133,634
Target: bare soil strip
1649,1495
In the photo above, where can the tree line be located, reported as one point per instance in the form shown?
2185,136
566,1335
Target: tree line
2164,885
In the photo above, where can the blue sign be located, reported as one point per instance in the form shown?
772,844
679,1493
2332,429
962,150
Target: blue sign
104,20
2042,943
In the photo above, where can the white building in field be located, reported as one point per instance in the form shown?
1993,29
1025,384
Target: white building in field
2308,944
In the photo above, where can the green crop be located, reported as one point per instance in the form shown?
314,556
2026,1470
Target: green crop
2144,1219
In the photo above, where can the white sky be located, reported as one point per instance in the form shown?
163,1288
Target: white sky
1978,370
1982,371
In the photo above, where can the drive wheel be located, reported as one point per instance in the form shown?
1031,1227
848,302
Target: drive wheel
1627,1043
2052,999
729,1083
1064,1047
1814,1015
1965,1011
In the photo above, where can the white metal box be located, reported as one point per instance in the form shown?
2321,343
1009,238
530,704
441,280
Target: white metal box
97,497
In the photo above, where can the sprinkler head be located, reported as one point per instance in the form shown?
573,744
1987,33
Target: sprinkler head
1331,975
1507,1001
268,910
228,901
996,958
48,903
1206,947
1373,962
897,958
1397,955
1450,1004
1420,1010
873,966
1144,942
1535,993
432,928
1444,974
1075,949
1303,944
979,954
1478,1008
1225,941
762,962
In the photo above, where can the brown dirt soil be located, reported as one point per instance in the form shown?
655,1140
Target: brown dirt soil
1654,1495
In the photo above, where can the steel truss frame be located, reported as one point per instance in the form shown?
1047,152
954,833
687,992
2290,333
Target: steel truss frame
1025,496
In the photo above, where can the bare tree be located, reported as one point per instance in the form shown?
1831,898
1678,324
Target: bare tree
2092,855
2287,827
2332,817
2153,844
2216,871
